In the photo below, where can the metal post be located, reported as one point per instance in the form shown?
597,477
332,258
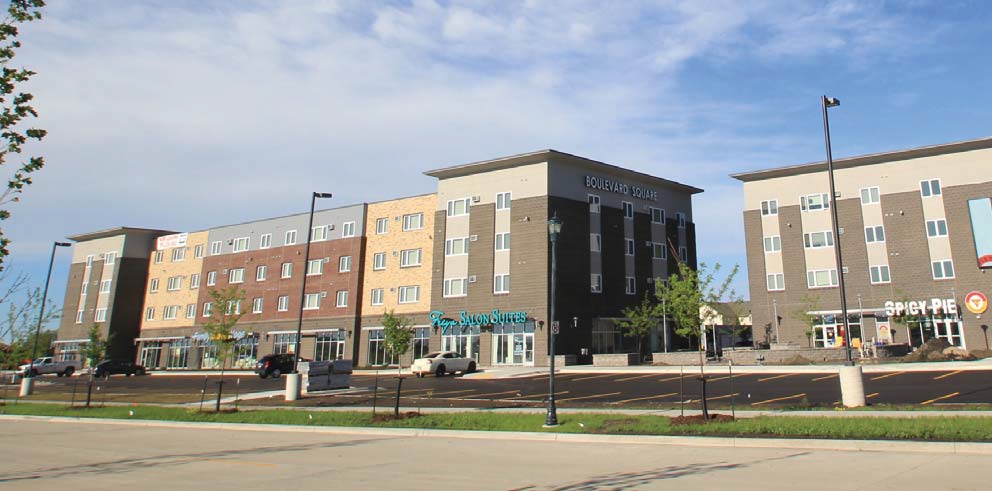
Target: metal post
775,307
41,313
554,227
293,380
664,321
825,103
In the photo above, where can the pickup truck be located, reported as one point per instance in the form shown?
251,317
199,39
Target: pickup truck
47,364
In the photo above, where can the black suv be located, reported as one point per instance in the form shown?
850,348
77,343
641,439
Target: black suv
107,368
275,365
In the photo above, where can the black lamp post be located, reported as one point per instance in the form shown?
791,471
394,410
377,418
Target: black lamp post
985,330
41,313
832,102
554,228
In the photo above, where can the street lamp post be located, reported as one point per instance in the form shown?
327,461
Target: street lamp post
554,228
293,379
27,383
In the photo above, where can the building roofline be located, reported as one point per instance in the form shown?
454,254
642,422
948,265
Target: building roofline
869,159
363,204
111,232
550,155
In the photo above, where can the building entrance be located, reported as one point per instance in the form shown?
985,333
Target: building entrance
513,344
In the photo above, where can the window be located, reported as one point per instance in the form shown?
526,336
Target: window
348,229
413,221
409,258
283,343
503,241
329,346
628,209
455,287
628,247
215,248
595,242
290,238
593,203
318,233
459,207
265,241
241,244
815,240
821,278
683,254
409,294
89,261
813,202
773,243
875,234
152,286
208,309
681,217
937,228
100,315
930,188
879,274
194,281
421,342
943,270
178,254
342,298
85,289
79,317
110,258
776,281
236,275
175,283
157,257
769,207
171,312
657,215
658,250
381,225
211,278
315,267
344,264
282,303
256,305
503,201
501,283
198,251
311,301
190,310
150,314
379,261
287,270
261,272
870,196
630,282
456,247
596,283
376,296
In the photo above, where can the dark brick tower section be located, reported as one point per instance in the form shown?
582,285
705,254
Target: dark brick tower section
127,299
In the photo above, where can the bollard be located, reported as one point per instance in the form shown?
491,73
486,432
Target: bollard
27,386
292,386
852,386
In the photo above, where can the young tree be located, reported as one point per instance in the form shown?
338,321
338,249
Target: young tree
21,326
15,106
220,326
641,319
397,334
95,347
810,303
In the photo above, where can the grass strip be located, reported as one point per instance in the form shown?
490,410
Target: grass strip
938,428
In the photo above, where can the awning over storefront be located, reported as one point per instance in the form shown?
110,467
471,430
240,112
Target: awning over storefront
305,331
67,341
159,338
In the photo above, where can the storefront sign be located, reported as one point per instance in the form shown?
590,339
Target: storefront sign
170,241
613,186
921,307
976,302
202,337
466,319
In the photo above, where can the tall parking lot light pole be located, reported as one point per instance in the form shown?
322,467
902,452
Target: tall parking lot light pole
554,228
27,383
293,379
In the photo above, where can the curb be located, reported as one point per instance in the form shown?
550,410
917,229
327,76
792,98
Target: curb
971,448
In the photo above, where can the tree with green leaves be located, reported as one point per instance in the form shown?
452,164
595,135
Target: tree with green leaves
397,335
95,348
15,108
640,320
810,303
220,327
21,326
689,290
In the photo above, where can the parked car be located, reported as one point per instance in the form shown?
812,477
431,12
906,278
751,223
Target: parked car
107,368
442,362
276,365
47,364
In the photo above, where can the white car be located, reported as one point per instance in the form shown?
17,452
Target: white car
442,362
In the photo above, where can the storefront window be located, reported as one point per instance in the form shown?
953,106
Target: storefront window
245,352
462,340
377,349
606,337
421,342
69,352
828,330
283,343
209,358
151,353
179,354
329,346
513,343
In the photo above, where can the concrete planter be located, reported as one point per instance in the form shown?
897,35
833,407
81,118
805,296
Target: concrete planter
615,360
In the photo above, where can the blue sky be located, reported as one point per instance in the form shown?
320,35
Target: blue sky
264,102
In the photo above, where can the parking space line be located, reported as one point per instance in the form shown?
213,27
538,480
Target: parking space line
723,396
635,378
534,395
869,396
777,377
590,397
453,392
941,398
669,379
947,374
826,377
797,396
594,376
646,398
893,374
494,393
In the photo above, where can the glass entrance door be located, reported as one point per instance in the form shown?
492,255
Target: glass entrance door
151,351
949,328
513,344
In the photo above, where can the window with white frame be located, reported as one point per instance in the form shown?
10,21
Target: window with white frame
85,289
381,225
459,207
875,233
658,250
170,312
174,283
198,251
318,233
776,281
503,201
631,283
157,257
342,298
208,309
593,203
110,258
813,202
930,187
236,275
681,216
628,247
456,247
657,215
315,267
344,264
150,314
501,283
769,207
178,254
503,241
628,209
100,315
409,258
79,316
256,305
376,296
194,281
290,238
215,248
821,278
455,287
683,254
211,278
937,228
241,244
595,243
943,270
261,272
89,261
413,221
190,310
816,240
379,261
773,243
409,294
286,271
596,283
311,301
879,274
870,196
348,229
283,343
282,303
265,241
152,286
233,307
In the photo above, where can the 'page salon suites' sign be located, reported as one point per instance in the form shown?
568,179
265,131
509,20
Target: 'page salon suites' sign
466,319
614,186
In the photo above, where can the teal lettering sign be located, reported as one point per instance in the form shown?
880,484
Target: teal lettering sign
466,319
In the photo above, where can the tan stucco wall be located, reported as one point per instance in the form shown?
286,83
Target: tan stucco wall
163,271
391,243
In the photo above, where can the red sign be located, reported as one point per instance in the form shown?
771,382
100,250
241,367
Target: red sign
976,302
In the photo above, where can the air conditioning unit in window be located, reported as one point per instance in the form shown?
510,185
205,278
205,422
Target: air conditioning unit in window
392,290
473,238
327,259
225,272
395,253
845,270
476,199
230,241
471,279
323,294
647,243
330,227
840,230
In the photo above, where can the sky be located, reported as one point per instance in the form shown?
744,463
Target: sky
184,115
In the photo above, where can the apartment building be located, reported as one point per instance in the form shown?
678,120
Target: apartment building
916,237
